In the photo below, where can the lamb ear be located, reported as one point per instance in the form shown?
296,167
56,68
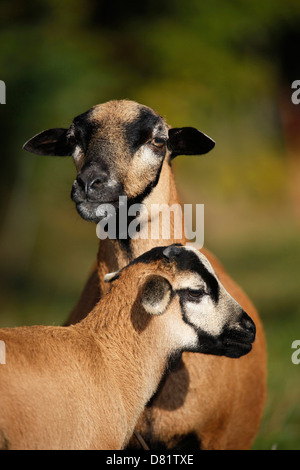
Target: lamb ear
188,141
156,295
50,142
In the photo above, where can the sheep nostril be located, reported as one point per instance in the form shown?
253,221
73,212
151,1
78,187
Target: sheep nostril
248,325
87,186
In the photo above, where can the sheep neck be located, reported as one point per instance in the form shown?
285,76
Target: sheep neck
113,254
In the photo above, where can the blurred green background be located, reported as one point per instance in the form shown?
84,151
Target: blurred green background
223,67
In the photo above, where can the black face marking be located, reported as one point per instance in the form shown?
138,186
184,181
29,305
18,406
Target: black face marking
139,131
189,261
83,128
226,344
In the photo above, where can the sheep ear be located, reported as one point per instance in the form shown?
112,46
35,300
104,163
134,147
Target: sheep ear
50,142
188,141
111,276
156,295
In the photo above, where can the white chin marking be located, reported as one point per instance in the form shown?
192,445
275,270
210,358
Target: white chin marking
86,213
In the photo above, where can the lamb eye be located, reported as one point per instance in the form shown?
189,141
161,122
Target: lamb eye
158,142
196,293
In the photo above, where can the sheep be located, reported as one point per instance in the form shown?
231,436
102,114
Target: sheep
85,386
124,148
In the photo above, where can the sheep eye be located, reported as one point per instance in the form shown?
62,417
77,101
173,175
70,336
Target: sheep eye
158,142
196,293
72,140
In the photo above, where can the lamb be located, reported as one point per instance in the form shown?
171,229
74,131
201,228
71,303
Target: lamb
122,148
85,386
